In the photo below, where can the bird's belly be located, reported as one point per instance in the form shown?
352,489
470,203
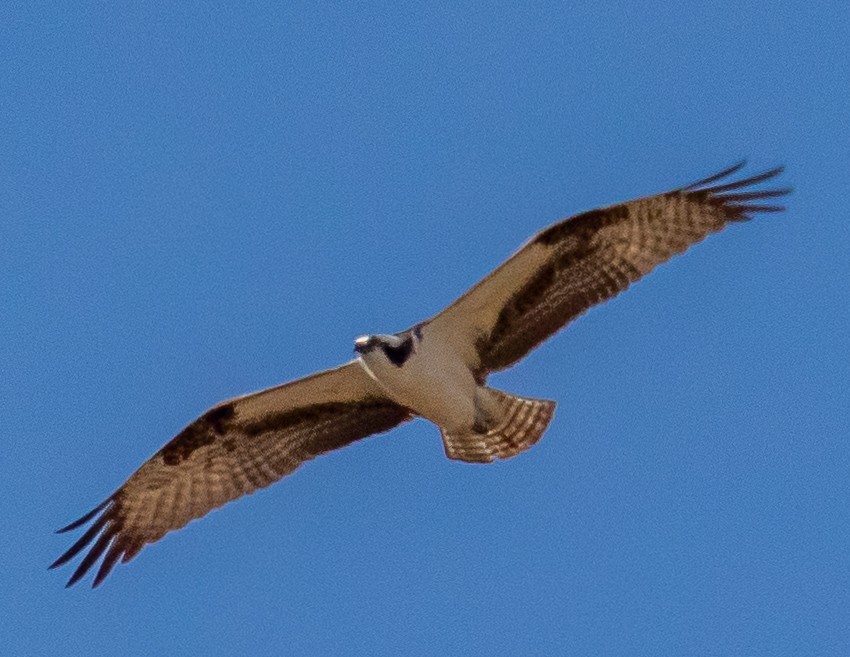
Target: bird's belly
437,390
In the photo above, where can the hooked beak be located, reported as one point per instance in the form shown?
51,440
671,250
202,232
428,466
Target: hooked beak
363,344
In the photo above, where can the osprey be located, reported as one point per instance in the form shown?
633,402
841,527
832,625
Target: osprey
437,370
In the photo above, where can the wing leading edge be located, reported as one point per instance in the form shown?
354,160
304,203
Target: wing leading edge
234,449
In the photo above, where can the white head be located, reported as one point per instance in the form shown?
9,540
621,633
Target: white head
396,349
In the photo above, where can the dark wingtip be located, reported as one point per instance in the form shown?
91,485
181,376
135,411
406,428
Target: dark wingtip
717,176
746,182
749,196
76,577
81,543
736,200
108,563
755,208
82,521
102,536
93,555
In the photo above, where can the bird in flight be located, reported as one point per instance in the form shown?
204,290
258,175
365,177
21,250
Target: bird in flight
437,370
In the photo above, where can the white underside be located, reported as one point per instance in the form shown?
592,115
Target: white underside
432,383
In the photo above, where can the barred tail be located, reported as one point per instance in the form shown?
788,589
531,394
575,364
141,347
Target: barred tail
511,425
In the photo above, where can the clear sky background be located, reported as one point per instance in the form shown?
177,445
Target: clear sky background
201,200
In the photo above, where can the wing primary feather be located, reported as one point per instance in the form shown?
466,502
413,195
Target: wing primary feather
744,210
745,182
132,549
82,521
109,561
90,558
230,451
84,540
588,258
749,196
717,176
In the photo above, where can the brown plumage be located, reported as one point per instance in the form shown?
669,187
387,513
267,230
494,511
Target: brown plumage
584,260
250,442
520,425
232,450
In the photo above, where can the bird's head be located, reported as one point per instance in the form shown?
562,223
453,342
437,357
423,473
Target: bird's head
395,348
366,343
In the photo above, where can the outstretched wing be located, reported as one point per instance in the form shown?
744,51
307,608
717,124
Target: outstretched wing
584,260
233,449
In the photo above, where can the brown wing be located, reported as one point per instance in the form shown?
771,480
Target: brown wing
233,449
579,262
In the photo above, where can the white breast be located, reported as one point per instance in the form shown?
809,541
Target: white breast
432,383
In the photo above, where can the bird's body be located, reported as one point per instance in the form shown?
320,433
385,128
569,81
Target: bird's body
437,370
424,376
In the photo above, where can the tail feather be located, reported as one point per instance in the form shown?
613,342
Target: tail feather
515,424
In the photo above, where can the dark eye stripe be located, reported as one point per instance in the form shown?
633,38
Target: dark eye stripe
398,355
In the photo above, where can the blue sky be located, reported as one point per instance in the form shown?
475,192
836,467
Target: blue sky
202,200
